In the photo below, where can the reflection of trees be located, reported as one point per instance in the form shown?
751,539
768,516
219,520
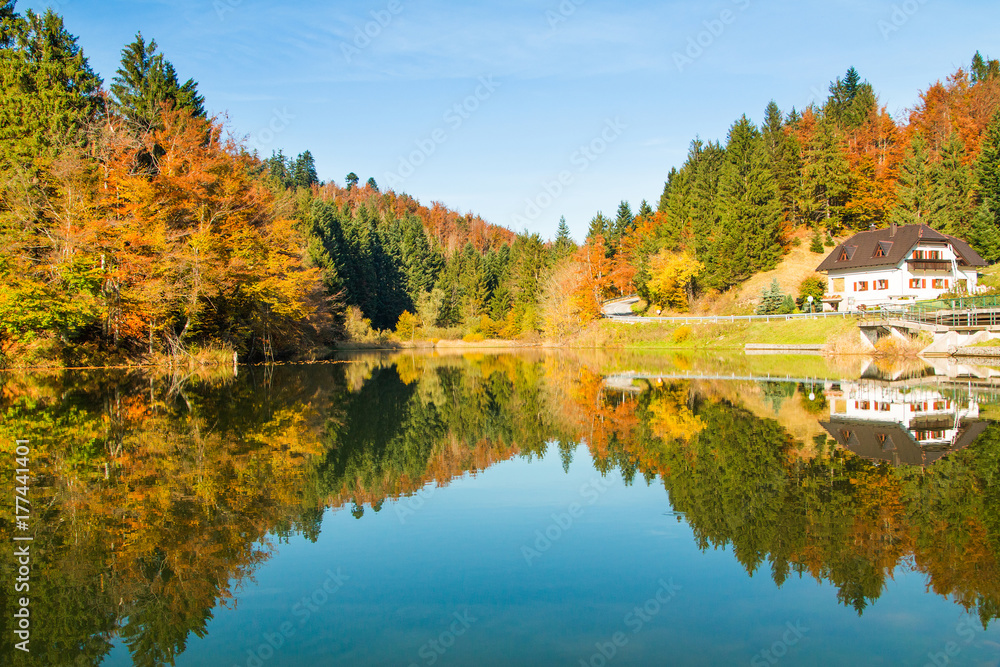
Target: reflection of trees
737,479
449,419
159,498
155,505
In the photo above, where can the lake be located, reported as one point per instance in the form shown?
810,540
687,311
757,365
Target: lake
509,509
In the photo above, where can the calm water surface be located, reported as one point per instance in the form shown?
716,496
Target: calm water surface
509,510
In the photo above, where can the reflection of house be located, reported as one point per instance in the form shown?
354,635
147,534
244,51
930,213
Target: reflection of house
903,426
896,264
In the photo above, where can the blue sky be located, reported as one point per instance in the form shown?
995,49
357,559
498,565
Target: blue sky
563,107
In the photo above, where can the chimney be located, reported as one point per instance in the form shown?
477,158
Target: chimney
892,230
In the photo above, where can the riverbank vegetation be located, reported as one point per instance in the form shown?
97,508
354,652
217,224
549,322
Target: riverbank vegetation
135,228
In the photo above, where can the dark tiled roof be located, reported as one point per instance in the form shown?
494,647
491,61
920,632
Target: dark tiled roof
889,441
862,250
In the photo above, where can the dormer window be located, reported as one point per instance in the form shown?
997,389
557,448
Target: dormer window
882,249
846,253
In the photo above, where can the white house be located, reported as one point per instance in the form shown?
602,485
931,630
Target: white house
896,265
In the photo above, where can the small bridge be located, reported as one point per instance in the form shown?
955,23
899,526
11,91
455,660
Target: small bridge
953,322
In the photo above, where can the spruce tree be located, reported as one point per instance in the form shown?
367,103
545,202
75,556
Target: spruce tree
851,101
564,244
304,172
351,180
915,185
371,184
784,157
825,178
985,235
984,69
146,81
624,221
599,226
749,238
951,203
816,243
48,92
665,196
645,210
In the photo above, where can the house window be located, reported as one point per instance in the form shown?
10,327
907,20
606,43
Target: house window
884,407
881,284
879,252
929,435
861,286
862,405
939,283
917,283
927,254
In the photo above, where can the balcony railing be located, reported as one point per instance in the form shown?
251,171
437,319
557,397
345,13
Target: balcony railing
929,264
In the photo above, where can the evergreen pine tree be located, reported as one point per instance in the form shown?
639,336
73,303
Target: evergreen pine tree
816,243
564,244
145,81
915,185
951,204
825,178
750,216
371,184
624,221
48,92
851,100
278,168
304,172
645,210
984,69
783,157
665,197
599,226
771,299
985,235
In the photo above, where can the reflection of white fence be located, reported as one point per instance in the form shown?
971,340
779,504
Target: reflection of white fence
623,380
716,319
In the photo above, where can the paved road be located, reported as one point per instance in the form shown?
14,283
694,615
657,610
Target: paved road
620,308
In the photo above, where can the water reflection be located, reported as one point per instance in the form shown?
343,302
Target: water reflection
163,496
909,424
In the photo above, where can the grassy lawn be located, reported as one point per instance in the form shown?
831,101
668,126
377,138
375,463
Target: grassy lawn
986,343
724,335
990,276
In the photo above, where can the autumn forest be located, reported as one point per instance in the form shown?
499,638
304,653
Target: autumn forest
134,226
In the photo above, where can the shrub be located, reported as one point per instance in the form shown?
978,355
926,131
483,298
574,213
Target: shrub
358,327
406,326
681,334
814,286
816,245
473,338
